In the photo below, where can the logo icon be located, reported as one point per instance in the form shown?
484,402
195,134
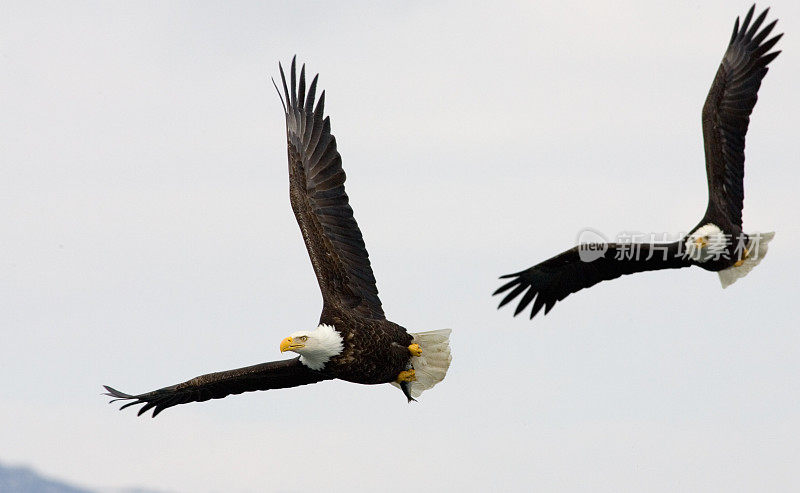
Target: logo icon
591,245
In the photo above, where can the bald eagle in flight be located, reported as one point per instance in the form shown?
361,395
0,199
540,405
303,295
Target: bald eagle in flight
353,340
717,243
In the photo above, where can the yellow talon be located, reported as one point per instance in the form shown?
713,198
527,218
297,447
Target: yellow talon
407,376
739,262
415,350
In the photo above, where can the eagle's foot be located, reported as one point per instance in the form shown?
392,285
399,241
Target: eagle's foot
739,262
406,376
415,350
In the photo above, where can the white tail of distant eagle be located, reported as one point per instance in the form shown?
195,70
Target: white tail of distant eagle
757,249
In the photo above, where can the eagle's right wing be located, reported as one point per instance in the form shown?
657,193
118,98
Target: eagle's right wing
266,376
569,272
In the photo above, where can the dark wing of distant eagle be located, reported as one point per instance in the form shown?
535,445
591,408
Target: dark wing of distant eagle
570,271
266,376
726,115
321,206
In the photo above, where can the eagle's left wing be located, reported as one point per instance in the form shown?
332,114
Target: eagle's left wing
321,205
726,116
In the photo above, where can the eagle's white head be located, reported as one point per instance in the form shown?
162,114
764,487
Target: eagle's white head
707,243
315,347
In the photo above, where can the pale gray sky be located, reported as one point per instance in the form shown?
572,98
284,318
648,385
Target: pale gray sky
146,238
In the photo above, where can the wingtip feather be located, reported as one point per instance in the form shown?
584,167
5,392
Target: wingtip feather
279,93
293,79
505,287
301,90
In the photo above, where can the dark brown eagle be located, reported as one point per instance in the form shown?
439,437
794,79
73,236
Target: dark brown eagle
717,243
353,341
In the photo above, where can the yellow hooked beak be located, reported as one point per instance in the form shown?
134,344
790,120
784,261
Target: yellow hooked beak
701,242
289,344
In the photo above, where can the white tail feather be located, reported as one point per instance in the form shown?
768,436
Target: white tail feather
431,367
757,249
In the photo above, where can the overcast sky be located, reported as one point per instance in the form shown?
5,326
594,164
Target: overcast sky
146,237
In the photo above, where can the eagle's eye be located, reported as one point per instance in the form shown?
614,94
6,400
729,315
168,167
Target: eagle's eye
303,338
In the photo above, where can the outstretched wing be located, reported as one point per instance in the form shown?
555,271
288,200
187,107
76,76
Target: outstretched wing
726,115
579,267
266,376
320,204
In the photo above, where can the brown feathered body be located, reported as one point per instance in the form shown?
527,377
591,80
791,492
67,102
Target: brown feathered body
375,351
